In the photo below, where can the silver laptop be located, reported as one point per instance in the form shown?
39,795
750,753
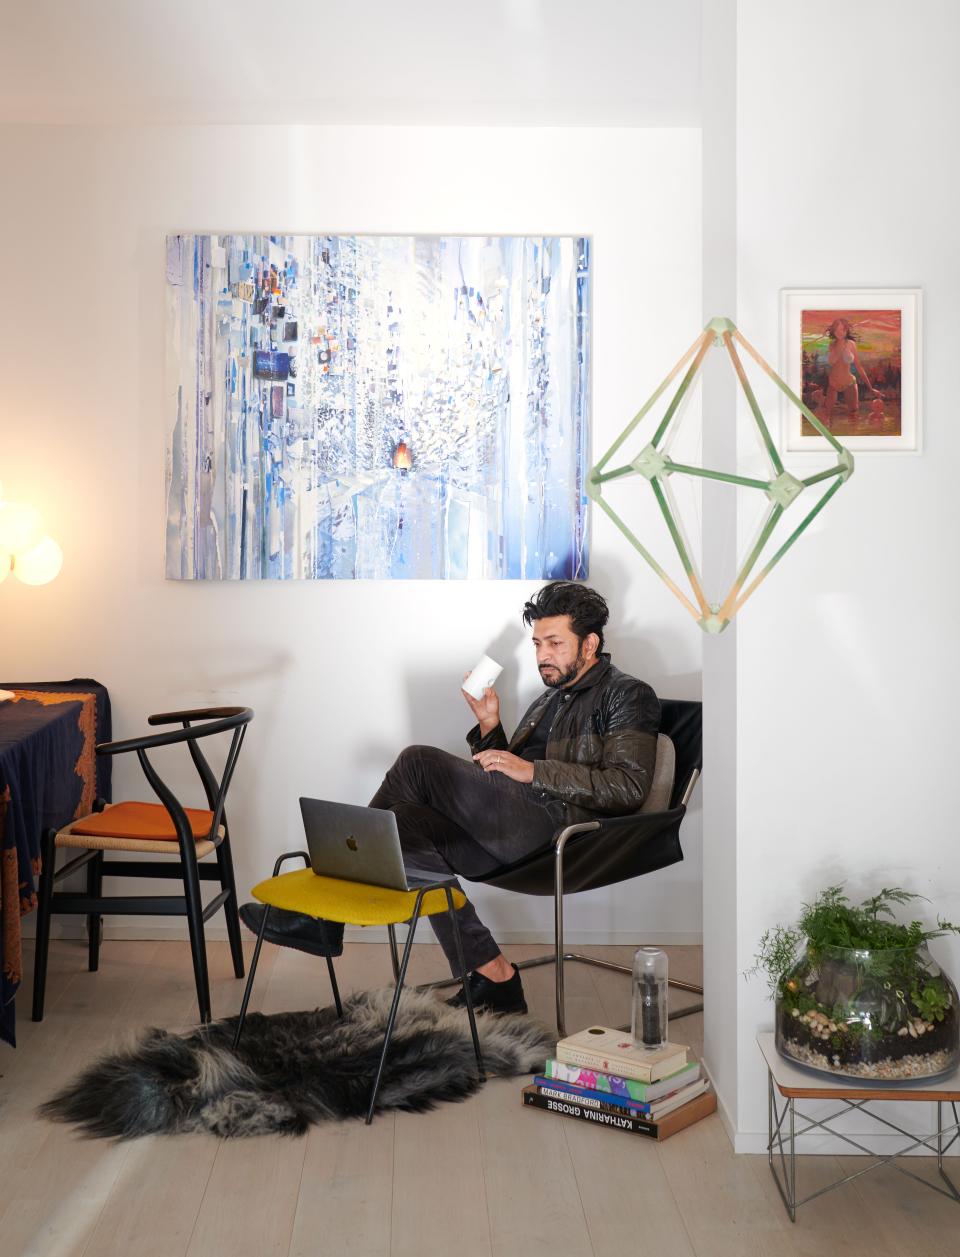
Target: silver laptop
358,844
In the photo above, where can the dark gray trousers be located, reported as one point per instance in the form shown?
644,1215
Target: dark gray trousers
455,818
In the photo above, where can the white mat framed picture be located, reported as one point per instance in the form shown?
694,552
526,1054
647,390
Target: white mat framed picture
853,355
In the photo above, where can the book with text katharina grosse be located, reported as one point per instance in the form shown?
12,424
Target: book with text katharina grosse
614,1052
686,1115
619,1104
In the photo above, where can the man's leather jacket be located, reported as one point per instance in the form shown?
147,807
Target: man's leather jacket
601,747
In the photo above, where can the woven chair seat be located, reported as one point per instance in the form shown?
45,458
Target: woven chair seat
138,827
103,842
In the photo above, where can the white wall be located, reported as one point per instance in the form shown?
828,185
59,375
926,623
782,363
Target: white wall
848,126
341,675
718,66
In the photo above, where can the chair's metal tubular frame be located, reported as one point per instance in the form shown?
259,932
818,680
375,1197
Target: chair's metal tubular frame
558,956
242,1016
399,969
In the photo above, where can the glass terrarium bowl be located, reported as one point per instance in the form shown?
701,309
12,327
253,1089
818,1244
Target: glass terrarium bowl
884,1016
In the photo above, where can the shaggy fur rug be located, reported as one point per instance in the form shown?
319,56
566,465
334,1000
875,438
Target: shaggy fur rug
293,1069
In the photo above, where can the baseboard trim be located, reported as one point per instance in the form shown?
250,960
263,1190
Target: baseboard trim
755,1142
378,934
723,1112
588,938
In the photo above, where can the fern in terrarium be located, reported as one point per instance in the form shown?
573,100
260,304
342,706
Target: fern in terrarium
863,996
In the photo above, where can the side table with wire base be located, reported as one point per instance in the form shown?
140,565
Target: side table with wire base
787,1083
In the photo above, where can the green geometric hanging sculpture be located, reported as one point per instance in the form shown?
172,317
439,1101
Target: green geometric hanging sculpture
782,489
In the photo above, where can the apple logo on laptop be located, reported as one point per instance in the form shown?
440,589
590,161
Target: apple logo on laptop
352,843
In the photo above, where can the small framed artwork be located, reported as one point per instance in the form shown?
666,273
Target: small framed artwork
853,355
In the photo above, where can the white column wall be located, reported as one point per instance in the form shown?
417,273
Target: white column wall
847,134
720,869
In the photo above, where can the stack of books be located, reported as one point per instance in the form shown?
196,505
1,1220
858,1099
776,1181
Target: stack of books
599,1075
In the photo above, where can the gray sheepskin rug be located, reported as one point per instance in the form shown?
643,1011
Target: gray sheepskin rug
293,1069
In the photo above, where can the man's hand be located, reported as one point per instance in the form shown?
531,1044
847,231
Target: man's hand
486,709
511,766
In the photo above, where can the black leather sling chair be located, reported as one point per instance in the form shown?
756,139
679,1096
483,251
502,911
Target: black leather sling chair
598,853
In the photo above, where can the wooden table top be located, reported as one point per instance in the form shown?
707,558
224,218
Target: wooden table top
795,1082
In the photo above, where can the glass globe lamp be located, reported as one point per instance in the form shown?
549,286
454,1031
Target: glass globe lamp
32,558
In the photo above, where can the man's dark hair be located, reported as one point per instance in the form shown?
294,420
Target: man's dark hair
586,608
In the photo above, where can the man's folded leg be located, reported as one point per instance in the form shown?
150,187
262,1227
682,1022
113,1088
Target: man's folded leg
488,818
434,847
479,948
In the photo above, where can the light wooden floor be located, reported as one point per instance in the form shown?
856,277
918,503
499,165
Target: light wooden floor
480,1179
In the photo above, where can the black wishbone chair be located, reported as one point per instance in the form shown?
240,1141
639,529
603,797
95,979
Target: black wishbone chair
592,854
166,828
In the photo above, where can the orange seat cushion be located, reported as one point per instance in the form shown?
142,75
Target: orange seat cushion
141,820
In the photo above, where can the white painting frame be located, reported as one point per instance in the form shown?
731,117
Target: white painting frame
892,426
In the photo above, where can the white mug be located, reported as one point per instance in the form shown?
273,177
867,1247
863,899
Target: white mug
484,675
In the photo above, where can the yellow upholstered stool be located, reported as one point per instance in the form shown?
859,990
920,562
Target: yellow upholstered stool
352,903
357,903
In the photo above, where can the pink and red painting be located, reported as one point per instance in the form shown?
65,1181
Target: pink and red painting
852,370
853,359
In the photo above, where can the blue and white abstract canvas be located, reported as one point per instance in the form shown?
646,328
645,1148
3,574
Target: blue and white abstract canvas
344,407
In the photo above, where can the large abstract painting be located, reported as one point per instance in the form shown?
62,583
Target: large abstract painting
346,407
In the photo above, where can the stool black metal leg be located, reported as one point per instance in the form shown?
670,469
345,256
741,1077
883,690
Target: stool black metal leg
333,984
393,1008
250,976
394,956
458,945
94,919
44,913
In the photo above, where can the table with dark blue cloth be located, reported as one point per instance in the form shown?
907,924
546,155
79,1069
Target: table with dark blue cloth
50,775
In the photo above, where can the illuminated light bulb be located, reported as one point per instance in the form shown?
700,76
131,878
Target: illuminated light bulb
39,565
19,526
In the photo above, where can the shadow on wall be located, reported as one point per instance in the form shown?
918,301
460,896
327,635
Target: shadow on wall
213,685
437,712
630,643
252,682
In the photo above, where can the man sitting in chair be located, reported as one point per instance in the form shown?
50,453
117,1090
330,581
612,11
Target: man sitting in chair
585,749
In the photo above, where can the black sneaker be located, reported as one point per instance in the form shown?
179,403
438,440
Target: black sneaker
293,929
492,997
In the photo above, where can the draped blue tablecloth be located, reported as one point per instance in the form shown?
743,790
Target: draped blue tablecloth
50,774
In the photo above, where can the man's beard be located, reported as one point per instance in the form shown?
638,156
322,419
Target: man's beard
564,678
